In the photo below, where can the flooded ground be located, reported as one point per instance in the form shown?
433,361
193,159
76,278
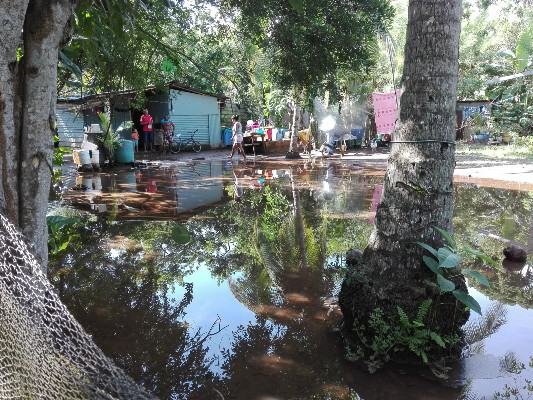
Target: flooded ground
217,280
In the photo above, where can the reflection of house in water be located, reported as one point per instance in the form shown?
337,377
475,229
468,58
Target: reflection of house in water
167,192
198,185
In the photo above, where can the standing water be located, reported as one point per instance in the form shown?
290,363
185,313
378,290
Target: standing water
215,280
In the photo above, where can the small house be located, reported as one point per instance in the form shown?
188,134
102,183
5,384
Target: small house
189,109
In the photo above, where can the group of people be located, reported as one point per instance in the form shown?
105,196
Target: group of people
147,125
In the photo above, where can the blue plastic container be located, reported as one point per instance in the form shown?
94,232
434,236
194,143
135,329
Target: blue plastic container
358,136
227,137
124,153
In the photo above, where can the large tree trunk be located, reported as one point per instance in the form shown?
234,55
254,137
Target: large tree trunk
12,20
418,191
295,126
28,113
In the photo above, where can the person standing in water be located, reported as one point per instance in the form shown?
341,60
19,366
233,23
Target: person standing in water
236,137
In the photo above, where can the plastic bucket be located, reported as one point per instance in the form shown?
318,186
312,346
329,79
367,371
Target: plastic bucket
81,157
95,156
124,153
88,146
88,182
97,182
227,137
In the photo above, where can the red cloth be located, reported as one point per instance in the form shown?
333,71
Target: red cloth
385,110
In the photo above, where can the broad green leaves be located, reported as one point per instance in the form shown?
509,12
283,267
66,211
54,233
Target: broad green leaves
467,300
58,240
297,5
445,262
180,235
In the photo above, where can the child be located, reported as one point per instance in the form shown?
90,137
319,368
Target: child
135,139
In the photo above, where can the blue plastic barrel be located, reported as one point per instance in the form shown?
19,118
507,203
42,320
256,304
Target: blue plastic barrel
124,153
227,137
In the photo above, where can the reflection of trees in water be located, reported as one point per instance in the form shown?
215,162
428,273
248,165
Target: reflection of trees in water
480,212
122,299
486,219
264,238
285,283
477,330
510,287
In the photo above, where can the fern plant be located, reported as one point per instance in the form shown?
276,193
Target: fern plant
445,263
385,335
415,335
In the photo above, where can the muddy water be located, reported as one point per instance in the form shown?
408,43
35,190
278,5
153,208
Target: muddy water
217,281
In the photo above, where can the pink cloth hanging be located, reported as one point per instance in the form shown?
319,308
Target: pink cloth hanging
385,110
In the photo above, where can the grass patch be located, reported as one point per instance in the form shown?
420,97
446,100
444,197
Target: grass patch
521,148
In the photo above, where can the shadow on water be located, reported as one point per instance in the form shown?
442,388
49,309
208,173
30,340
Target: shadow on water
246,308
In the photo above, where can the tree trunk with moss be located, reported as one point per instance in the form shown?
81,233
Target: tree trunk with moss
418,185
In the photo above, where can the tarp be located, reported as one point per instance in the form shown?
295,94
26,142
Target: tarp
385,110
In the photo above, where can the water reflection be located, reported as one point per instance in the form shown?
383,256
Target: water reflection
245,308
121,295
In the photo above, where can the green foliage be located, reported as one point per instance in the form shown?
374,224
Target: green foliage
385,335
180,235
445,263
311,40
110,138
115,45
59,235
275,211
59,152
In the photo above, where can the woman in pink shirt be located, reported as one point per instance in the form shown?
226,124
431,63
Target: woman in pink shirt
147,124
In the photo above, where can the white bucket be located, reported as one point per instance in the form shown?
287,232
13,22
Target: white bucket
95,158
88,182
88,146
84,157
97,182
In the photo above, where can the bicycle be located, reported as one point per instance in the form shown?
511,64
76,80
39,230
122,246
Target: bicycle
178,143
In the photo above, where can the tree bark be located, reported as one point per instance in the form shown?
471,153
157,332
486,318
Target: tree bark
295,126
28,100
418,185
12,20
